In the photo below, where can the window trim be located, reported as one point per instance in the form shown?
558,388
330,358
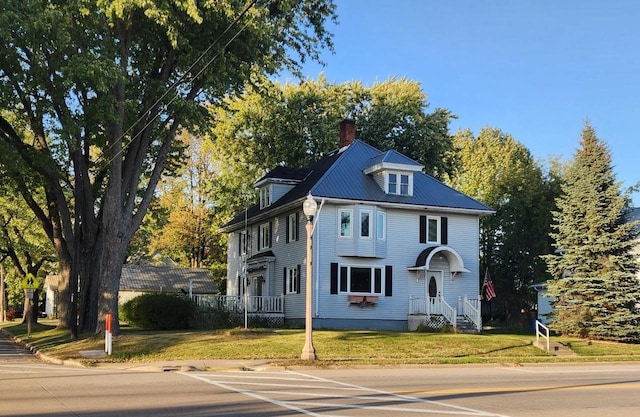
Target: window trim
398,184
369,214
437,220
265,196
350,229
265,235
243,243
293,227
345,285
381,225
293,280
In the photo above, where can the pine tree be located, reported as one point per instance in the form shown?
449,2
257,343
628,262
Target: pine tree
596,290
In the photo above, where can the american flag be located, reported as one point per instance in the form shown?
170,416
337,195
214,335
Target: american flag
487,287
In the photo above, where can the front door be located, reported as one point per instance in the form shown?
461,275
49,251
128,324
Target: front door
433,290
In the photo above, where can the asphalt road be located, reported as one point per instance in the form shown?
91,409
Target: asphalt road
31,388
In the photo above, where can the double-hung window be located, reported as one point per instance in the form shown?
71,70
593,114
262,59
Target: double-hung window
434,230
265,196
345,223
398,183
264,239
365,224
293,227
292,280
381,225
243,243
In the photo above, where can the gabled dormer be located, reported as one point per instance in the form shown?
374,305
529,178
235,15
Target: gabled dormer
277,183
393,172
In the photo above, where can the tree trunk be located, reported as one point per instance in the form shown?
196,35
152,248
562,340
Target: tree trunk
64,293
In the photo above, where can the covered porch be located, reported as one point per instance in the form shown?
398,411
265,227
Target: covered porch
440,271
436,313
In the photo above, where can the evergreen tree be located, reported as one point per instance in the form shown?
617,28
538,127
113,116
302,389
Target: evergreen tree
595,290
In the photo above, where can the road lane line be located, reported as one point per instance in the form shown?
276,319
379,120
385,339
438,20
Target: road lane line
251,394
232,384
478,412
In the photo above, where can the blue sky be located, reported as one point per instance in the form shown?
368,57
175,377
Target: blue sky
534,69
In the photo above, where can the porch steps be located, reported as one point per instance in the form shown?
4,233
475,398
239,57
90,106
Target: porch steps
464,325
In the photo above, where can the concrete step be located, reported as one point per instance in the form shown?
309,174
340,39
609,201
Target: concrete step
555,348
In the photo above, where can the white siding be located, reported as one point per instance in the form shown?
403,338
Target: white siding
403,248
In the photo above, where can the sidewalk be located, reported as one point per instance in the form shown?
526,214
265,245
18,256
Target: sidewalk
193,365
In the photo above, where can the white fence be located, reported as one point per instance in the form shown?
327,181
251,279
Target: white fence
255,304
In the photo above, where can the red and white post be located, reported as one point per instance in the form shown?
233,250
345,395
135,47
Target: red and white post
107,334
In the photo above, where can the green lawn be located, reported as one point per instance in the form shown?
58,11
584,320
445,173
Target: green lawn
332,347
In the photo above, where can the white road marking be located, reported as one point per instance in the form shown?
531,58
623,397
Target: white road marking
306,387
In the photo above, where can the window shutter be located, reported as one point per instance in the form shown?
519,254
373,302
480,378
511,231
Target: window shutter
270,234
298,281
297,226
423,229
388,281
334,278
444,229
259,239
286,220
284,281
239,244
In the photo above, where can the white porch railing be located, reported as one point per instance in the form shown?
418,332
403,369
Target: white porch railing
255,304
470,308
432,306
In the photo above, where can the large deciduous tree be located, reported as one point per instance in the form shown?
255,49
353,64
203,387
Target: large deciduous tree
595,287
104,86
499,171
295,124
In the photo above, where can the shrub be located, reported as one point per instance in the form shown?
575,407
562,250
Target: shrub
212,318
11,314
159,312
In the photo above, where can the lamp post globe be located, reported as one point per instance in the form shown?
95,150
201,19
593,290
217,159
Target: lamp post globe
309,207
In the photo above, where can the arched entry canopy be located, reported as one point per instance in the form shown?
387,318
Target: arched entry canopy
456,264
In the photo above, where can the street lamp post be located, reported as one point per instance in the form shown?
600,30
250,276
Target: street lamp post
309,207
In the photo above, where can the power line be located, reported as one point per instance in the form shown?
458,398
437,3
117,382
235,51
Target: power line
180,80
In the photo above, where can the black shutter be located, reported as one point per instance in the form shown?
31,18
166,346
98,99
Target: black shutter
239,243
423,229
284,281
444,230
298,281
286,220
388,281
259,238
270,234
334,278
297,226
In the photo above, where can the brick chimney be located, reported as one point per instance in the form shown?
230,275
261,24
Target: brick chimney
347,132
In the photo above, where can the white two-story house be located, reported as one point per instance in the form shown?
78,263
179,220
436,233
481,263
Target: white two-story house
392,246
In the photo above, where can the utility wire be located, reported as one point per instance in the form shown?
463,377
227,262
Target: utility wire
180,80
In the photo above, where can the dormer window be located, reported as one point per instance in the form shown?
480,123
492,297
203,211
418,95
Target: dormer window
265,196
399,183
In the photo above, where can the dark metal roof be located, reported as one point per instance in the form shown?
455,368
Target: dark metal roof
166,279
422,257
340,175
286,173
394,157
